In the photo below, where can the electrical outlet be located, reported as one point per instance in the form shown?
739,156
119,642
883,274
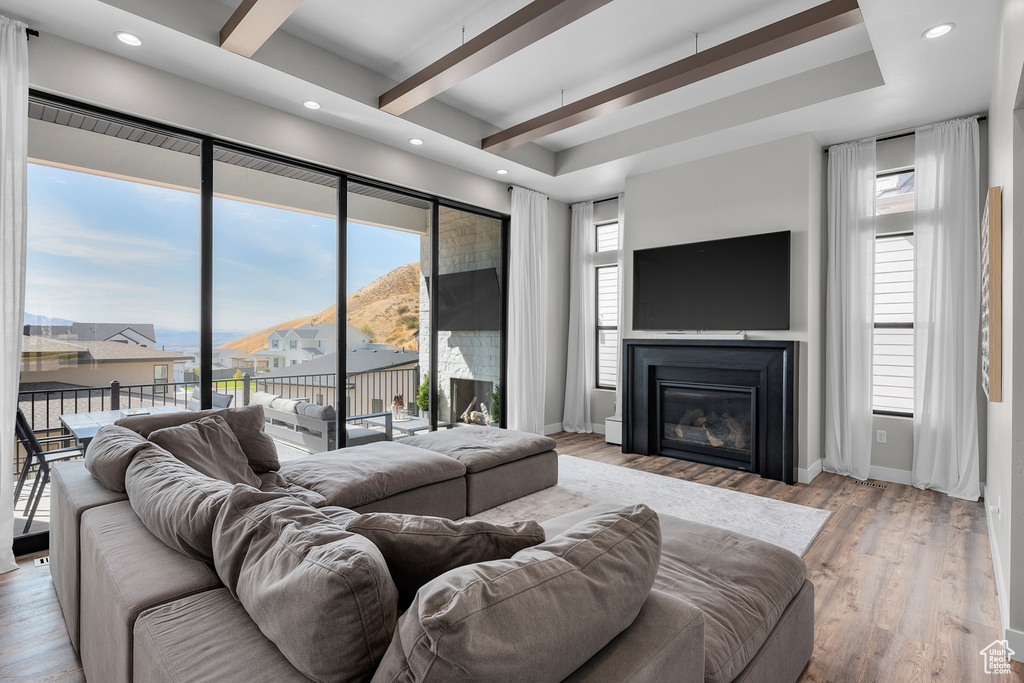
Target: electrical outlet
997,509
880,435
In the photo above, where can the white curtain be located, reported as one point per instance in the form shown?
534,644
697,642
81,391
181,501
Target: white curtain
13,231
527,311
849,315
579,369
619,375
947,294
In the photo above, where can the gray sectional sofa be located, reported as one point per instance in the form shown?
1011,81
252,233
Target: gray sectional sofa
345,567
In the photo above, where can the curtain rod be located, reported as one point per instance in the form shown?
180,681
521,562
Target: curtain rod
510,189
31,33
906,133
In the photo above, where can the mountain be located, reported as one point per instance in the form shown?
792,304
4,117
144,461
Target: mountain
32,319
388,309
187,341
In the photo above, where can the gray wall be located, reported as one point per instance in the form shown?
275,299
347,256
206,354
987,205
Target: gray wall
1005,476
769,187
559,222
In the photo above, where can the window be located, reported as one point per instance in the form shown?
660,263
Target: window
893,358
292,344
606,294
607,237
160,374
273,343
894,192
277,362
607,326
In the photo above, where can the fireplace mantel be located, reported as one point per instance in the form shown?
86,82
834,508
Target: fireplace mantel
766,368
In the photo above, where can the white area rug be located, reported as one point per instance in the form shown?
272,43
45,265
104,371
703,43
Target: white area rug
585,482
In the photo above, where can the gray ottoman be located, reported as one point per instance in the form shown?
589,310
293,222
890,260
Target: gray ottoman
384,477
501,464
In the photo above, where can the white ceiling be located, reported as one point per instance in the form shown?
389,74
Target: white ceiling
869,79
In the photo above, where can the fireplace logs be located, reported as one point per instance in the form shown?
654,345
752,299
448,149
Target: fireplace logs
710,428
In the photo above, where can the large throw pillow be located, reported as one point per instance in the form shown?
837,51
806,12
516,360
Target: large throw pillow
176,503
209,446
323,595
418,549
535,617
263,398
246,422
109,454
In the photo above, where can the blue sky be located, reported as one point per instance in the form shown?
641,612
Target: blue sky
108,250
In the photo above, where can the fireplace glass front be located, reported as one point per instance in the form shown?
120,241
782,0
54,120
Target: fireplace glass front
714,420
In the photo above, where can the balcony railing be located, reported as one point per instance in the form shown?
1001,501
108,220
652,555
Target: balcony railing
366,393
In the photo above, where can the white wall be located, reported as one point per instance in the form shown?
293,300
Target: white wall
769,187
557,313
1005,466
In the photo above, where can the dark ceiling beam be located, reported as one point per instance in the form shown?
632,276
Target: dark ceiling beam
537,20
798,29
253,23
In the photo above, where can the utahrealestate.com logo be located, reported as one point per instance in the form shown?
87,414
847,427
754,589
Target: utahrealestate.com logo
997,657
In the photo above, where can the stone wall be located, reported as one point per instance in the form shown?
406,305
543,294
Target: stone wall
466,242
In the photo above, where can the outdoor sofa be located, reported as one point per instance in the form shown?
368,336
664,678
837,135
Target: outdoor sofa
296,571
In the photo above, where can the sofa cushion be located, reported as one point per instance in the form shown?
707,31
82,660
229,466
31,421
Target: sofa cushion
209,446
315,411
419,548
742,585
273,482
263,398
357,476
535,617
109,454
481,448
246,422
178,504
322,594
285,405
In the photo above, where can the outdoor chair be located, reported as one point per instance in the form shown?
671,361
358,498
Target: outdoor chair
40,457
357,435
218,400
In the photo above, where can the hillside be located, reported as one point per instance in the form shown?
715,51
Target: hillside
388,308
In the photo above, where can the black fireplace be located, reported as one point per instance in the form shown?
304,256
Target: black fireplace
728,403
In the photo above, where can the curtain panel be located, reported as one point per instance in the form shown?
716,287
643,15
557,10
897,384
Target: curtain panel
621,260
527,311
947,308
13,233
579,369
849,311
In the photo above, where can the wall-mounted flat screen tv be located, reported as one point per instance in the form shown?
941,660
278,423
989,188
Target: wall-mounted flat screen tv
470,300
733,284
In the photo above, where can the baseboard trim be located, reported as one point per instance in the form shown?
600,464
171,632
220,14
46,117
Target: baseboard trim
553,429
1015,639
891,475
806,476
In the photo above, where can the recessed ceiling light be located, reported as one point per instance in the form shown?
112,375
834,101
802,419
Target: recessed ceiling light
415,141
938,31
128,38
311,104
502,171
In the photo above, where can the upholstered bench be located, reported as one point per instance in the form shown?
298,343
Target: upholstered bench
72,492
128,570
384,477
501,464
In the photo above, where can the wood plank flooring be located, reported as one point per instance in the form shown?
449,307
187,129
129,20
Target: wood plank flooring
903,582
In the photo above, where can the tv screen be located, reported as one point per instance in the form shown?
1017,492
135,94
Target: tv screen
470,300
732,284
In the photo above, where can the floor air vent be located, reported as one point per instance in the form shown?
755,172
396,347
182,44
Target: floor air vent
871,484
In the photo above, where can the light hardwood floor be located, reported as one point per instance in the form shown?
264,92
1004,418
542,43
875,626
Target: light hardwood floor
903,582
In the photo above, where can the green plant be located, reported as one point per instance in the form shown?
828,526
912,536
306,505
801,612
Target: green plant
423,393
402,310
495,408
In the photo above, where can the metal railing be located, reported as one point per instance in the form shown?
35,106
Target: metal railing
368,392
